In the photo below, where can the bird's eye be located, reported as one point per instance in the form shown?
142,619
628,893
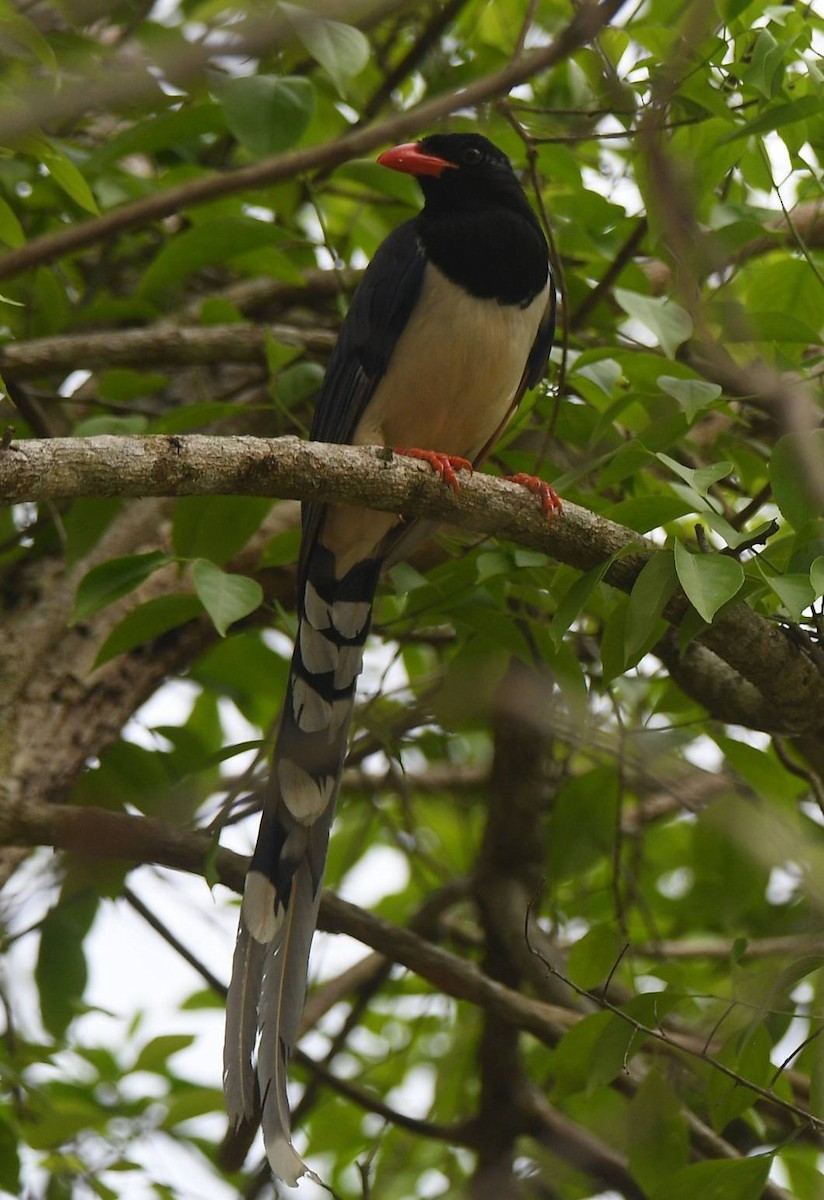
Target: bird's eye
471,156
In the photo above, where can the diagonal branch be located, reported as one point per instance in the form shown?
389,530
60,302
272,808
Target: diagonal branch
588,20
757,650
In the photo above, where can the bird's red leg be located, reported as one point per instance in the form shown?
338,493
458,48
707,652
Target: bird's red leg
550,500
445,464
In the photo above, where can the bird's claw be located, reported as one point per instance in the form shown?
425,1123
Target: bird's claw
550,500
445,464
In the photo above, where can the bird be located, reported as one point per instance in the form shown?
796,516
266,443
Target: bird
451,322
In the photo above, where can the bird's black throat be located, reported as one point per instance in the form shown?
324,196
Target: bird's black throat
491,247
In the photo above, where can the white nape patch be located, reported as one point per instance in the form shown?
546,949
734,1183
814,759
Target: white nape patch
304,796
317,653
317,611
312,712
259,908
350,616
347,668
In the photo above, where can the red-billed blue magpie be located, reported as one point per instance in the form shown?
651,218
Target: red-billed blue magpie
452,321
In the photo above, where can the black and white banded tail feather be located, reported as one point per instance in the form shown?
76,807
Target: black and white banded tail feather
283,886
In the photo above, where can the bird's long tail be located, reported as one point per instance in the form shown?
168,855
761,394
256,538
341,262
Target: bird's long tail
282,893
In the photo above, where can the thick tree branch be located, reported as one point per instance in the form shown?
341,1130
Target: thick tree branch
197,465
163,344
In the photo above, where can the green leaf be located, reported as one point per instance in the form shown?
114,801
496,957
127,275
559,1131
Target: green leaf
576,1051
722,1179
68,177
817,576
11,231
574,599
298,383
603,372
23,31
268,113
341,50
670,323
110,423
157,133
748,1057
581,827
657,1131
9,1159
147,622
61,964
594,955
694,395
783,114
650,592
700,479
795,591
771,326
709,580
216,527
796,474
643,513
215,241
154,1055
113,579
226,598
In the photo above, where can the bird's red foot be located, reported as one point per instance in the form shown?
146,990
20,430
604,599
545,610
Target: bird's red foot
445,464
550,500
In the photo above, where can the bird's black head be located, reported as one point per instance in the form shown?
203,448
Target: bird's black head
476,227
448,165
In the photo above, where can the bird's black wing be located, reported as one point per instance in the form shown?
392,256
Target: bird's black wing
377,316
538,355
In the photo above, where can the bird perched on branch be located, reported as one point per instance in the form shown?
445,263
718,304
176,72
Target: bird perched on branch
451,323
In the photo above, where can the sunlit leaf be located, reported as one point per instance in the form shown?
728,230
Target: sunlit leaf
694,395
342,50
709,580
669,322
226,598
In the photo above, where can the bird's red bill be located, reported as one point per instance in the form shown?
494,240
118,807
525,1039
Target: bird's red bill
410,159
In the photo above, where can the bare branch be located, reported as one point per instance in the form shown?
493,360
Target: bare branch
163,344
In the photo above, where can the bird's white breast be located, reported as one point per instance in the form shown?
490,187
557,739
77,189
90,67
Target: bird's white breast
454,372
450,386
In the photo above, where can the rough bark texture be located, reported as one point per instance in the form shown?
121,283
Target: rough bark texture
759,653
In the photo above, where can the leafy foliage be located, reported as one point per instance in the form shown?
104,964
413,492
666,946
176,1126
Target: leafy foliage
593,791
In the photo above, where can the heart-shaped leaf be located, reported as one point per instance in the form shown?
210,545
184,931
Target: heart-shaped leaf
226,598
670,323
709,580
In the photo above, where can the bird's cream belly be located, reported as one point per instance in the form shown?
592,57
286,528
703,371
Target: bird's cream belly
454,373
450,385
